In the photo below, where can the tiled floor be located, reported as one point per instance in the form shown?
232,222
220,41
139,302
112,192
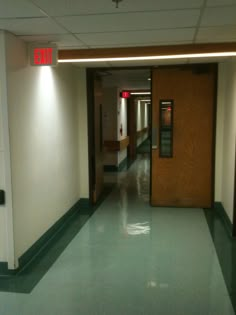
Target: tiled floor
130,258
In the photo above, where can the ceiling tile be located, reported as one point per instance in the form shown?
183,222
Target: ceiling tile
62,41
34,26
16,8
76,7
126,79
140,44
213,3
131,21
216,34
134,77
131,74
125,84
145,37
219,16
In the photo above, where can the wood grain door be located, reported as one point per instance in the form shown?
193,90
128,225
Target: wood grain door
182,174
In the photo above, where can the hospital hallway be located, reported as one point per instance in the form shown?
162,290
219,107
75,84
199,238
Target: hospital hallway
129,258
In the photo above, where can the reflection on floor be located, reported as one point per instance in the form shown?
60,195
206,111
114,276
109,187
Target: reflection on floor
130,258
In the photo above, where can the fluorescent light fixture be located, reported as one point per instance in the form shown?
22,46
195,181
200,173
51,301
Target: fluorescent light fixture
140,93
161,57
149,79
145,100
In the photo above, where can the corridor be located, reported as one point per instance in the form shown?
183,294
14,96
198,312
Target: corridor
131,259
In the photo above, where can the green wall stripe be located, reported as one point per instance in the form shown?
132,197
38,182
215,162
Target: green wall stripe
82,205
224,216
124,165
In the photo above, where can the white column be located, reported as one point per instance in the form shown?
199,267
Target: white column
6,211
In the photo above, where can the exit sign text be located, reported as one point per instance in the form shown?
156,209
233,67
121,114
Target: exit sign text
43,56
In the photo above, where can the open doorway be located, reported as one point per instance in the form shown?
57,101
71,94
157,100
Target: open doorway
119,126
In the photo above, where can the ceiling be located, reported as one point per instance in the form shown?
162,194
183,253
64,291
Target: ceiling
86,24
95,24
128,79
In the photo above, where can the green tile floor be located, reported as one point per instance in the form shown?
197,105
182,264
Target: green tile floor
131,259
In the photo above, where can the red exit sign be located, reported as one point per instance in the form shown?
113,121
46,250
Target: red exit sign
43,56
125,94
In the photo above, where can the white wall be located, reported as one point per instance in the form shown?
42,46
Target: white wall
6,219
146,112
83,171
114,115
122,120
3,210
226,132
138,117
44,143
220,130
142,120
110,123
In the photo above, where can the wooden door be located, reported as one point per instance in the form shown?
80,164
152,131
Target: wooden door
182,172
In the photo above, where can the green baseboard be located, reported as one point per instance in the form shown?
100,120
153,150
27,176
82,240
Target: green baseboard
142,143
124,165
220,209
81,205
110,168
144,146
84,204
5,271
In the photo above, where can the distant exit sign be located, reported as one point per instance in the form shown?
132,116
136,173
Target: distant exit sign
43,55
125,94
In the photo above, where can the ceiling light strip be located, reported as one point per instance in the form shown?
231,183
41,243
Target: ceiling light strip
161,57
140,93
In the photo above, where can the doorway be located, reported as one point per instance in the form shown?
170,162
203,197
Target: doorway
117,126
182,112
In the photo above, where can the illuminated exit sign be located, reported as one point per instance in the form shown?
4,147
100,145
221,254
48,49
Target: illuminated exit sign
125,94
43,55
